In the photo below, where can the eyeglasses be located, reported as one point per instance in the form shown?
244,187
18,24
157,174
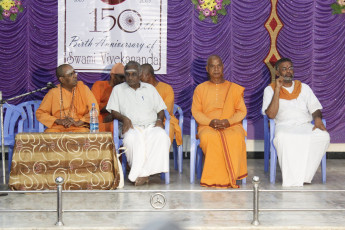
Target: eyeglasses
134,73
285,69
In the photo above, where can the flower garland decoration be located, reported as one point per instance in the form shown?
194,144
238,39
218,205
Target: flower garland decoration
10,9
338,7
211,8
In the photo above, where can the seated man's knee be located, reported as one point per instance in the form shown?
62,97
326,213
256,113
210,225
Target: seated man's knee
208,134
161,134
237,135
323,135
131,135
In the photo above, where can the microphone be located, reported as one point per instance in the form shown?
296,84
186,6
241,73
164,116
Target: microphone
51,85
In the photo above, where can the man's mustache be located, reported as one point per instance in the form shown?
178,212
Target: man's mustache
287,78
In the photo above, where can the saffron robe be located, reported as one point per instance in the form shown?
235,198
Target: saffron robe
102,90
52,109
167,94
224,150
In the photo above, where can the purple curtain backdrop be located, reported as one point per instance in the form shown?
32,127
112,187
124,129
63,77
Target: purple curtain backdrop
312,37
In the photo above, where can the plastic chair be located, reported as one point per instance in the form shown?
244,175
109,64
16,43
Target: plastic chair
266,144
273,162
11,115
29,123
178,150
196,154
119,142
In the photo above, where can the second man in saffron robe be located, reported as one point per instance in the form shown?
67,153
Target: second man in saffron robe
218,108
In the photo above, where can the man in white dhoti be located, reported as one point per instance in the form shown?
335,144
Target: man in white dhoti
300,145
141,110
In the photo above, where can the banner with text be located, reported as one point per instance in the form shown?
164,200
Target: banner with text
96,34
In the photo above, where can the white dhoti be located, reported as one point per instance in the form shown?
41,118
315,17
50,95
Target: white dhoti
299,150
147,151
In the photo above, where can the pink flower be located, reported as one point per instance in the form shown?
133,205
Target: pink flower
218,6
201,2
341,2
6,13
219,1
213,13
14,10
199,8
207,12
343,11
18,3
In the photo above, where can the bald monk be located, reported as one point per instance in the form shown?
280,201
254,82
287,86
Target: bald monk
167,93
218,108
102,91
66,108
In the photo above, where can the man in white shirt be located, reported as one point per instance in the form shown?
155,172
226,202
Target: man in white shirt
141,110
300,145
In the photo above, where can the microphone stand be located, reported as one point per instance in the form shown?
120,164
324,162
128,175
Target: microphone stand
2,102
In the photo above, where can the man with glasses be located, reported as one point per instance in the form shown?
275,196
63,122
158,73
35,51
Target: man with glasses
300,145
141,110
102,91
66,108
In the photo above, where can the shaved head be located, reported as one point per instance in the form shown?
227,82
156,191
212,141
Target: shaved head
214,56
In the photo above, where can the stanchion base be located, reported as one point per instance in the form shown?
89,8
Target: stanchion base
59,223
256,223
4,187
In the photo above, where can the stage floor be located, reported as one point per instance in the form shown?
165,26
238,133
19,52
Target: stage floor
183,206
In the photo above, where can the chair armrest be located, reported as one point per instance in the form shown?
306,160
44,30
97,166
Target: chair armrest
167,121
245,124
193,129
20,125
323,121
245,127
116,134
272,129
266,131
41,127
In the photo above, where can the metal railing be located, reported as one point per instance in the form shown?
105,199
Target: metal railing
158,200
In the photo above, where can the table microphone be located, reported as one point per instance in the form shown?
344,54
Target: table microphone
51,85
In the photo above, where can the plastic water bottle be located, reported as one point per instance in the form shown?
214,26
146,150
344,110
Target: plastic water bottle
94,119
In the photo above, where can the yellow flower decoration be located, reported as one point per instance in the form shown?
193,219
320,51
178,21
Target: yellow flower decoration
7,4
209,4
211,9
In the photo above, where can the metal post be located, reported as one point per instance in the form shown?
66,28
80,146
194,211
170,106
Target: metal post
256,182
59,181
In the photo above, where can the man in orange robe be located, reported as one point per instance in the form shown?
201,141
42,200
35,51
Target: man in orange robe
167,93
66,108
102,91
218,108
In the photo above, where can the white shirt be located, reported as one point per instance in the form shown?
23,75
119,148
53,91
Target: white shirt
140,106
293,112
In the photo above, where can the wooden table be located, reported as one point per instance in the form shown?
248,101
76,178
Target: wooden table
84,160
